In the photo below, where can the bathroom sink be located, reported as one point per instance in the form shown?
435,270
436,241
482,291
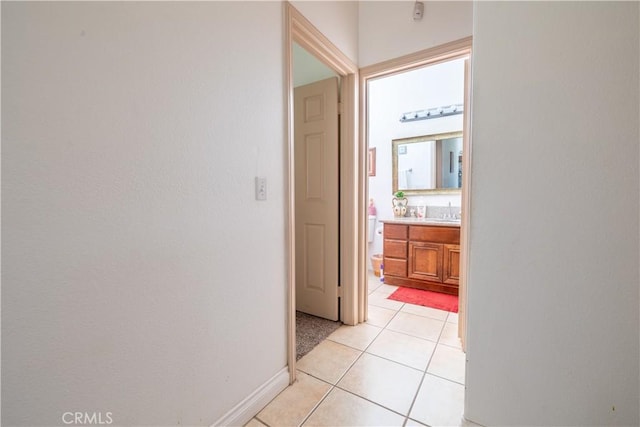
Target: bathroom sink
443,219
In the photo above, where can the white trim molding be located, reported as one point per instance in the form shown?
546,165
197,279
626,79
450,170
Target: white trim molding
352,269
453,50
244,411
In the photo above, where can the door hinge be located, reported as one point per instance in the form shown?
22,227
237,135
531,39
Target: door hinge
340,108
339,291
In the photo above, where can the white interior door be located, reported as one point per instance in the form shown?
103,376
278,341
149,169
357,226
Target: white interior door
316,197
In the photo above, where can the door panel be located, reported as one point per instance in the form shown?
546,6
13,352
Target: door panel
316,193
313,162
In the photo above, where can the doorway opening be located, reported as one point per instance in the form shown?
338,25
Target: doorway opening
316,89
448,65
300,33
419,101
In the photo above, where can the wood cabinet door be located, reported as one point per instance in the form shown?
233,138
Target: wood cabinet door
451,264
425,261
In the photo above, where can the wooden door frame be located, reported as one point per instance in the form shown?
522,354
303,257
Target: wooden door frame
446,52
300,30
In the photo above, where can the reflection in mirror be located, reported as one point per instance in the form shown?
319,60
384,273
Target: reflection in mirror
428,164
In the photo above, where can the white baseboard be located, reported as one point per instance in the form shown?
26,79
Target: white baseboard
249,407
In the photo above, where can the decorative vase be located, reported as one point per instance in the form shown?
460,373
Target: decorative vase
399,206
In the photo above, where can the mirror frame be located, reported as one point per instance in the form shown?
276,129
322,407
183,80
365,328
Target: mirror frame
394,158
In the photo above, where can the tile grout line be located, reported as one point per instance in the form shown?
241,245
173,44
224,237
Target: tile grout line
397,332
415,397
444,321
445,378
393,361
331,387
317,405
334,386
412,336
370,401
377,335
424,373
386,358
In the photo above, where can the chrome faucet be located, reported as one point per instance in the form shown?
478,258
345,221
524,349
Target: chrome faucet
448,215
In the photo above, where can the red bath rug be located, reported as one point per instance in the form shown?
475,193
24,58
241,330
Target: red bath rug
426,298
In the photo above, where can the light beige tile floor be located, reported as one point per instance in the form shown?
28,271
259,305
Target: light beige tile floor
403,367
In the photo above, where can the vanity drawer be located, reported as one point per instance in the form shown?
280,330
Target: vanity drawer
395,267
395,231
450,235
395,248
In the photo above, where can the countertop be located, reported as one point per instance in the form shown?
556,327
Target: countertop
422,221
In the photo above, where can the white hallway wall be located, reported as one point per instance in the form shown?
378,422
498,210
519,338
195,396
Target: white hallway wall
387,29
553,281
337,20
128,208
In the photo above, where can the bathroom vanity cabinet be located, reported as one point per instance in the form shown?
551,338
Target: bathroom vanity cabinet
423,255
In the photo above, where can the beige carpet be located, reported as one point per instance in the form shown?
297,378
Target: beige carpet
310,331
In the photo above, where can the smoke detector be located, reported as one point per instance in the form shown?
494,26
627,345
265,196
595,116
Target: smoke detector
418,11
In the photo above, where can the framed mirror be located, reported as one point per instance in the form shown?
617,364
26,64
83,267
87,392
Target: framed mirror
427,164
